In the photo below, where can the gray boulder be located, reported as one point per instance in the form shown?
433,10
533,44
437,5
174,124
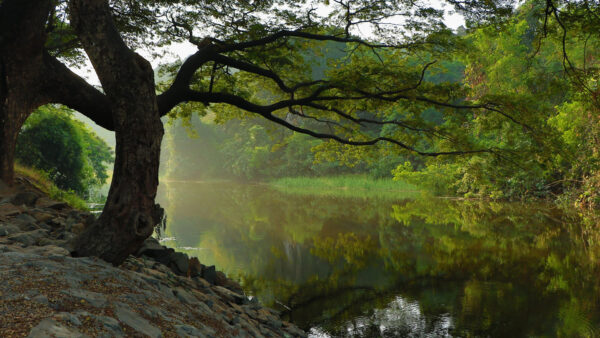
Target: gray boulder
51,328
29,238
7,229
180,263
137,322
27,198
210,274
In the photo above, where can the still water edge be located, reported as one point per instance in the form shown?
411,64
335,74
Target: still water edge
393,267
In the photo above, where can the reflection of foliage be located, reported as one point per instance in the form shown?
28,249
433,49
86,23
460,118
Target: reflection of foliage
574,321
331,261
348,246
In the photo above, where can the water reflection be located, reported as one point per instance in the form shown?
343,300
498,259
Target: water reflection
381,267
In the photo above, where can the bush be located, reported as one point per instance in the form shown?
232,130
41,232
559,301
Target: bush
70,153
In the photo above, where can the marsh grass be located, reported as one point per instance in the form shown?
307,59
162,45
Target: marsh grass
346,186
41,181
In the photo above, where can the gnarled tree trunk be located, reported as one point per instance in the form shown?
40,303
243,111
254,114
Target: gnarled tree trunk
130,212
22,38
13,113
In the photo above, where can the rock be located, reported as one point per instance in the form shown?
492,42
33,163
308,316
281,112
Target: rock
165,290
252,331
137,322
41,299
31,226
190,331
160,289
195,268
49,250
30,237
209,274
50,204
93,298
66,236
201,282
254,304
57,222
220,278
25,218
27,198
51,328
230,295
40,216
26,222
9,209
180,262
274,323
225,282
48,241
68,317
184,296
8,229
150,244
154,250
204,307
110,324
74,214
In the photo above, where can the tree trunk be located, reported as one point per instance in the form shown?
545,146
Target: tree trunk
22,97
22,38
8,137
130,213
11,119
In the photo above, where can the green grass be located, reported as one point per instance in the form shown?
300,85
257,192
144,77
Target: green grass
346,186
41,181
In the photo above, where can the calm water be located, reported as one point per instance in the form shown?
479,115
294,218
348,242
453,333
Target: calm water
373,267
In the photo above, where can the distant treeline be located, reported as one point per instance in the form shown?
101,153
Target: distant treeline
252,150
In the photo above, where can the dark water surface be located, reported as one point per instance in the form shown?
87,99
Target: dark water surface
341,267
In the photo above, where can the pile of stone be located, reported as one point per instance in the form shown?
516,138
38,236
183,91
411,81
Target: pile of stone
44,292
182,265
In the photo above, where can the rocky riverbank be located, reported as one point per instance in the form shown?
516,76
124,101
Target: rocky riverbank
44,292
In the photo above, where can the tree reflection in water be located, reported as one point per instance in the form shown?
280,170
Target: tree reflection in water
381,267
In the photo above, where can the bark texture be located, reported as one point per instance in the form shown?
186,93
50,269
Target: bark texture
130,213
22,38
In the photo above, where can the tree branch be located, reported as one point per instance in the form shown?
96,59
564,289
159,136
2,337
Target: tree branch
65,87
229,47
267,110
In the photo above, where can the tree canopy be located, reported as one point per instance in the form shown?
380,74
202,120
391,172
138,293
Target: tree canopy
384,84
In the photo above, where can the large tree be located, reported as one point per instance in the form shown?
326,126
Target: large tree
268,46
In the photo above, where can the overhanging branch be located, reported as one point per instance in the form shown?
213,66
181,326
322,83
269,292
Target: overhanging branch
266,111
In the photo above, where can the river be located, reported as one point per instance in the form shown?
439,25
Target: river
389,267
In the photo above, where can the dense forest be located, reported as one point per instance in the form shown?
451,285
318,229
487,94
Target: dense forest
501,108
547,148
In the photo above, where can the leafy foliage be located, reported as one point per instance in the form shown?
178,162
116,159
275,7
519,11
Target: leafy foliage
516,90
69,152
541,127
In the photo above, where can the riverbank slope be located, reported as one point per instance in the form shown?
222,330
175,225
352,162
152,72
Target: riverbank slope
157,293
